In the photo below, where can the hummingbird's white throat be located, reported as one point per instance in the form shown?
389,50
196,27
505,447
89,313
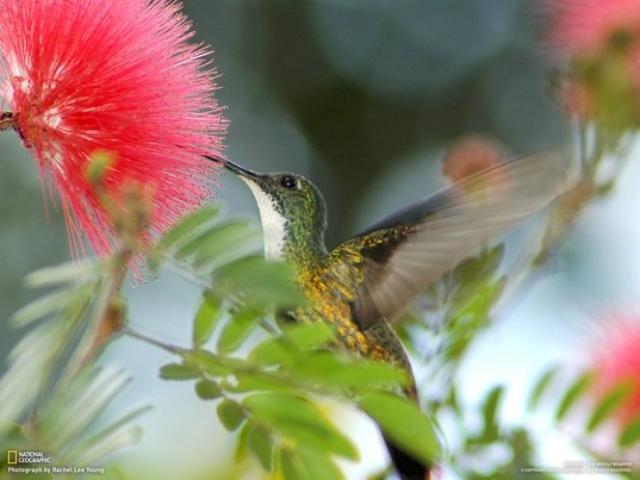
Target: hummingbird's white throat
272,222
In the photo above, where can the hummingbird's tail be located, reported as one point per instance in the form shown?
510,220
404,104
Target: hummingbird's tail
408,468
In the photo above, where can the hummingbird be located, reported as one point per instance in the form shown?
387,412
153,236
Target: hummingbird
362,285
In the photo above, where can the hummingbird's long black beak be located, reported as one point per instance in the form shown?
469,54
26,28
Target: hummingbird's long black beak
235,168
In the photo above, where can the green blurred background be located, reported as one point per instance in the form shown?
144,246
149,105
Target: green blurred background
360,96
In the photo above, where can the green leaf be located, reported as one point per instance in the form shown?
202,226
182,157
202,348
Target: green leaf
309,336
252,381
326,369
208,390
110,438
184,230
227,242
573,393
291,466
452,401
33,358
53,303
404,424
469,317
474,272
299,420
237,330
178,371
272,351
119,440
541,387
307,464
608,404
70,419
319,465
259,442
214,235
206,319
489,411
630,435
60,274
295,339
267,283
70,411
242,449
210,362
231,414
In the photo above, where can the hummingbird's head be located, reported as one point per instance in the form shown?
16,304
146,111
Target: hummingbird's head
292,210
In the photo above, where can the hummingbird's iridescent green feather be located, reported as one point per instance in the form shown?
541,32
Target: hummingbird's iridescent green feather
330,283
407,251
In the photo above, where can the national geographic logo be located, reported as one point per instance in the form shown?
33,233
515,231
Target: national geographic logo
27,457
37,463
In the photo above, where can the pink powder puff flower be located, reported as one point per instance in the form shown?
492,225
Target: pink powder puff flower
79,78
616,361
585,27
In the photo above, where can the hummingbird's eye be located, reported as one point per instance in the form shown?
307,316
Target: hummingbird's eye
288,182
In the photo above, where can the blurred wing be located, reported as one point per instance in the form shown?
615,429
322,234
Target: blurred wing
412,248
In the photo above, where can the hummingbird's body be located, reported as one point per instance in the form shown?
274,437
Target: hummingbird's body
366,282
328,280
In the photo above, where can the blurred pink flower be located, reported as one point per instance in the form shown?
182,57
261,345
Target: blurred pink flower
79,78
585,27
600,42
471,155
615,359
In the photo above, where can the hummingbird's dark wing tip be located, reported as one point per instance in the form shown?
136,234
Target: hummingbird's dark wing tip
408,468
407,251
